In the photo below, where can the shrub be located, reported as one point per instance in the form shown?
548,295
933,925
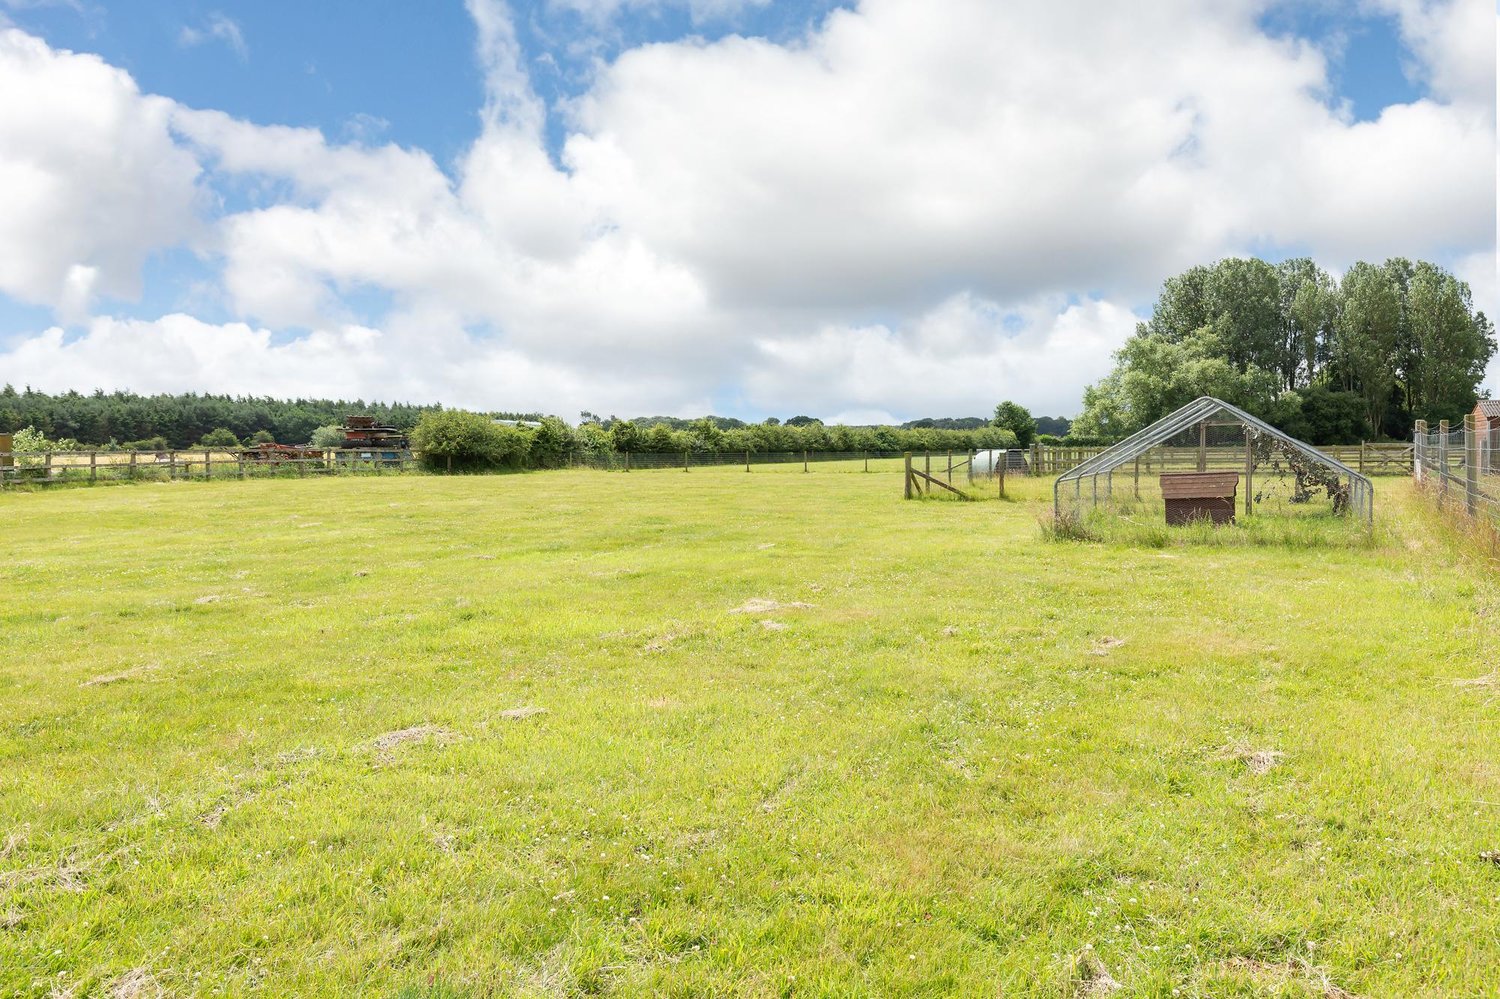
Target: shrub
328,437
550,443
220,438
262,437
149,444
461,440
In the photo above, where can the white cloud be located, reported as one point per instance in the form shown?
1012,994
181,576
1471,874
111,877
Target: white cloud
439,361
960,358
1454,41
216,27
91,181
886,217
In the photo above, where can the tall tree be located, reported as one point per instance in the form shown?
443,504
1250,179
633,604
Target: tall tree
1017,419
1450,345
1365,338
1304,318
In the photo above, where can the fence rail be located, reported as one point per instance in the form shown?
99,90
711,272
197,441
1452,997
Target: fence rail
1368,458
59,467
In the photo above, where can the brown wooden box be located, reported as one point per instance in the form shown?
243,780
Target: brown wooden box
1200,495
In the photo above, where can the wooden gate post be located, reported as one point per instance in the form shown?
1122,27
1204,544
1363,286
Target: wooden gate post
950,468
908,475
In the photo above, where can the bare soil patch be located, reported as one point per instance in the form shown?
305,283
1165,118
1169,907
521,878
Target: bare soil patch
762,605
1257,761
417,733
1091,979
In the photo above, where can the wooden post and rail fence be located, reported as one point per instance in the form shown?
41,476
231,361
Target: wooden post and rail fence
1039,459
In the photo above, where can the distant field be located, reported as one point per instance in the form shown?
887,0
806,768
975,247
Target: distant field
712,733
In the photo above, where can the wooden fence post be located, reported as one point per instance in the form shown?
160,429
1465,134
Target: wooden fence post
1443,455
171,465
685,461
804,462
1361,457
1249,472
867,461
747,461
1471,465
1203,446
1418,450
208,471
93,466
908,475
627,461
950,468
1137,476
1001,476
132,464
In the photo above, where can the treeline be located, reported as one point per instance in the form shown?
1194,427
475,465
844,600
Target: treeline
181,421
155,422
812,435
1331,362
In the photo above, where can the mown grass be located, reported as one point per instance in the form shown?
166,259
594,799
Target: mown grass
263,738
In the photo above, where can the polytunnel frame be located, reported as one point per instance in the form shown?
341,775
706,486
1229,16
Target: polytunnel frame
1361,489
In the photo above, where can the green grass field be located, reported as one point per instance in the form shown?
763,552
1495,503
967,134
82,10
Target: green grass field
725,734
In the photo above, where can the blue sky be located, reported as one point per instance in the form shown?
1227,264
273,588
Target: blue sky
664,204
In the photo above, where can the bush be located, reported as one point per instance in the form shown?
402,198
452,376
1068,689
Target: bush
262,437
328,437
468,441
220,438
149,444
550,443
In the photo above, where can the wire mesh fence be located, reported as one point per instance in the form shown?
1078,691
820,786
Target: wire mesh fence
1211,461
774,461
1460,467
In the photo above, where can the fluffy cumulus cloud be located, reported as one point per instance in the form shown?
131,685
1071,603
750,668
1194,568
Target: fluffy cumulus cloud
910,211
91,179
